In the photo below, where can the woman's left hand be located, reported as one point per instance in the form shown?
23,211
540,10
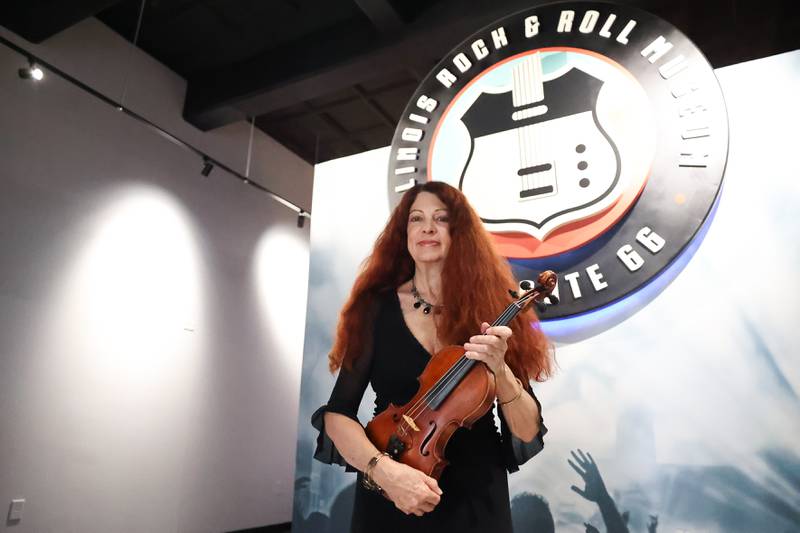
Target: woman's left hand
489,347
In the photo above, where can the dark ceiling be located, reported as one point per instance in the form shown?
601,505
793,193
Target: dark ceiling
329,78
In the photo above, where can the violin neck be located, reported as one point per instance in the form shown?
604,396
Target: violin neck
453,377
508,315
503,320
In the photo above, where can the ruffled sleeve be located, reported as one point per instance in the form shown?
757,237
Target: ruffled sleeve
345,400
517,451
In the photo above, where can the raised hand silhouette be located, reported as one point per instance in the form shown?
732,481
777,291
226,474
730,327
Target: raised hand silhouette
586,468
595,490
653,524
590,528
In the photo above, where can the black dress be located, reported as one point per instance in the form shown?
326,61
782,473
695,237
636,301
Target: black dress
474,484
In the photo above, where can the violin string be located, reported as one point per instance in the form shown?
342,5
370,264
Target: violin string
423,403
510,312
448,377
462,361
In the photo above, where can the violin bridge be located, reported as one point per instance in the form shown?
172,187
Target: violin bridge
410,422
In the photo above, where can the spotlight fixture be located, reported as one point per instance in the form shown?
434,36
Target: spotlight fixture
301,219
208,166
31,72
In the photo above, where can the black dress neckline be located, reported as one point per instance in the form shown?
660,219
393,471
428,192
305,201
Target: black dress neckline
399,309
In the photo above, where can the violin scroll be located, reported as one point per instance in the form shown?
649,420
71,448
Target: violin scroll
537,292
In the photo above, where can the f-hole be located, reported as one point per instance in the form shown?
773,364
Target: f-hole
424,447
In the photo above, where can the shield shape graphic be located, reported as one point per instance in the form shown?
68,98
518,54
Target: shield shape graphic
539,157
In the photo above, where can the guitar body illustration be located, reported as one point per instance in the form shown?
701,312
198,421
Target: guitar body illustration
539,157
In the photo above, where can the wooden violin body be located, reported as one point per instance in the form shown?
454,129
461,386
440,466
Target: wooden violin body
453,392
421,443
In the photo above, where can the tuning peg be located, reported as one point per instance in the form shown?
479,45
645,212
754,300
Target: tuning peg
525,284
514,294
553,299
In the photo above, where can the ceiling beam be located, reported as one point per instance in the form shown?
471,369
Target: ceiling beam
281,116
37,20
333,60
375,107
382,15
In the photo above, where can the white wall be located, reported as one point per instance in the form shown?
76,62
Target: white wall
151,320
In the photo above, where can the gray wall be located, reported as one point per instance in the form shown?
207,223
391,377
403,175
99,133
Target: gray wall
151,320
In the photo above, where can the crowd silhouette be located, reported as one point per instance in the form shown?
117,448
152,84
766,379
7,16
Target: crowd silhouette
531,513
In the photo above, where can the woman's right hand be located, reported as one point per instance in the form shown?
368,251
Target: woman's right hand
410,490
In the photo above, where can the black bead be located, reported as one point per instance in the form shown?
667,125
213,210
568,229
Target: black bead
416,305
427,309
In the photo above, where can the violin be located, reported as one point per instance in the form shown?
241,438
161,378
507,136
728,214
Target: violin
454,392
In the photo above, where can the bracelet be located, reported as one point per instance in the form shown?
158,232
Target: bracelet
367,480
519,393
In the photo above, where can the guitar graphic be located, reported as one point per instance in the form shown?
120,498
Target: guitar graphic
539,157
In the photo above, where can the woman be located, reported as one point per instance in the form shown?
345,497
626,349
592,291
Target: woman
433,279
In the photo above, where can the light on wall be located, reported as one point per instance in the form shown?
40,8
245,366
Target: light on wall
280,274
131,302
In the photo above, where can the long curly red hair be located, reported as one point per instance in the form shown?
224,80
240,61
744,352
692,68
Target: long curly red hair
475,284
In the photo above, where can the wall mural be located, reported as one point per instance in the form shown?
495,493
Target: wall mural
675,406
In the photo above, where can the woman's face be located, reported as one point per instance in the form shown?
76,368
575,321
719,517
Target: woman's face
428,229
